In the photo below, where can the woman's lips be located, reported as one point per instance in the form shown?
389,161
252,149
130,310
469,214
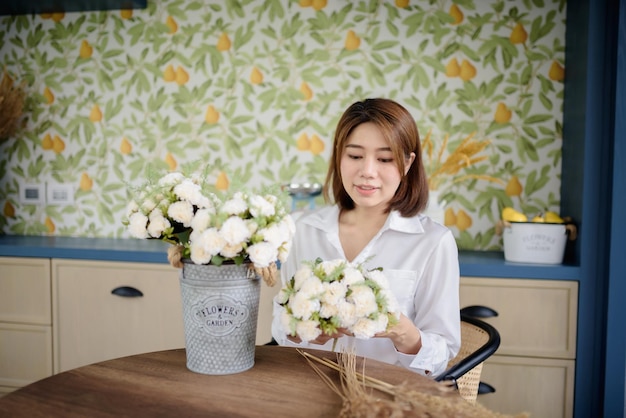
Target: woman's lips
366,190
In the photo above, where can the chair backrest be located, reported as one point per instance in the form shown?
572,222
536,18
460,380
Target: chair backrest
479,340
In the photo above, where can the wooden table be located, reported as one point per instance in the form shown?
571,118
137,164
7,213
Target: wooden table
281,384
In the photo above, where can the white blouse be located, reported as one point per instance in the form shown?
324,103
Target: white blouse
420,260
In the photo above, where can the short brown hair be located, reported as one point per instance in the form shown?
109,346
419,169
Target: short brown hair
400,130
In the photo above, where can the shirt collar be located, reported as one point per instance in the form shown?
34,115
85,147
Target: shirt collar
328,217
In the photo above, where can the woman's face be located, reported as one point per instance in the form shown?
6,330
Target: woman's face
368,170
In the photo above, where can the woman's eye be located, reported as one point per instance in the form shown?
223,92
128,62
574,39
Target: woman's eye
385,160
354,157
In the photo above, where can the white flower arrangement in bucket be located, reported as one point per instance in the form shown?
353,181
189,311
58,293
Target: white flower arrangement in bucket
324,296
224,242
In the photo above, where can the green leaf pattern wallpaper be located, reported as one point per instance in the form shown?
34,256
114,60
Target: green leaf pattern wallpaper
255,88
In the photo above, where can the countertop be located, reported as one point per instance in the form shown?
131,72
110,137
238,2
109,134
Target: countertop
472,263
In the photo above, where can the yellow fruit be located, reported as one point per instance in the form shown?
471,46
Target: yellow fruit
181,76
96,114
171,23
126,147
47,93
126,13
211,116
403,4
513,187
352,41
553,217
85,50
538,219
57,144
86,183
503,114
171,161
49,225
256,76
303,143
223,44
511,215
222,182
57,17
9,210
449,218
46,15
317,145
46,142
518,34
456,14
306,91
169,74
305,3
452,68
463,220
468,71
319,4
557,72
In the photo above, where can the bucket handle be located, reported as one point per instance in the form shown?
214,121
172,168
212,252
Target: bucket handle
570,229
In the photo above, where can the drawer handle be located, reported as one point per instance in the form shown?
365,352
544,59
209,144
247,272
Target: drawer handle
479,311
127,292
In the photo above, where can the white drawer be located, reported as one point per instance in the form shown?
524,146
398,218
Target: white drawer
25,290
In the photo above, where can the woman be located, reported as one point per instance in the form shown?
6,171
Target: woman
379,186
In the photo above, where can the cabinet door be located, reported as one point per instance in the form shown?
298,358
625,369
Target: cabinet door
25,354
91,324
25,290
535,317
544,388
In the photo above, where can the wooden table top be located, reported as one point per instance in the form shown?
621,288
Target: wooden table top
281,384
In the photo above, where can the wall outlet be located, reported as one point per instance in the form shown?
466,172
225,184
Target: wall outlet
32,194
60,194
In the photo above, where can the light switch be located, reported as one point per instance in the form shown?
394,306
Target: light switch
32,194
60,194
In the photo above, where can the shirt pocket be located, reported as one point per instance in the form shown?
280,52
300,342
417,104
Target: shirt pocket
402,284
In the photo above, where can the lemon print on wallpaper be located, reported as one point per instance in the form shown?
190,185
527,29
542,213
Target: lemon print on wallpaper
456,14
169,74
96,114
86,50
58,145
557,72
171,23
126,13
222,182
303,143
182,77
211,116
352,41
125,146
171,161
256,76
223,43
49,96
518,34
503,114
513,187
306,91
9,210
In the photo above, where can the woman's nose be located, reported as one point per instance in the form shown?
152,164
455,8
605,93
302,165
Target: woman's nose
368,169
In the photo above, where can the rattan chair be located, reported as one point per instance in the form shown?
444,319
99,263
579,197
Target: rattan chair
479,340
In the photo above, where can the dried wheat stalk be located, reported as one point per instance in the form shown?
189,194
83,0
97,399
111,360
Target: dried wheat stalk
359,401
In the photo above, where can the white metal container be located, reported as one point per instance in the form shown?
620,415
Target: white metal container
532,242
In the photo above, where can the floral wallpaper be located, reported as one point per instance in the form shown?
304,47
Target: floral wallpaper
255,88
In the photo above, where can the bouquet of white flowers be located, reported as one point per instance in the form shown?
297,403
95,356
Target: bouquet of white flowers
212,227
324,296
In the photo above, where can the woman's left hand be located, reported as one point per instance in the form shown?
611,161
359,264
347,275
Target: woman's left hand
405,336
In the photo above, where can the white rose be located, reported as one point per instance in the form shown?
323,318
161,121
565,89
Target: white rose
206,244
259,206
201,220
352,276
157,223
137,225
189,191
234,206
235,231
231,250
363,299
302,274
302,306
181,212
308,330
171,179
346,314
262,254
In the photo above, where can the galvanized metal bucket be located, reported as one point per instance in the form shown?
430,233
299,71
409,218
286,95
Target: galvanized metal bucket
220,312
